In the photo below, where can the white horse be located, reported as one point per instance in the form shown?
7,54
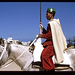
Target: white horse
22,56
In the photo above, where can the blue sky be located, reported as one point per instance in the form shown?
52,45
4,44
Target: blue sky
21,20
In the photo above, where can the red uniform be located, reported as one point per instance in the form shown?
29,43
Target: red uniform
48,51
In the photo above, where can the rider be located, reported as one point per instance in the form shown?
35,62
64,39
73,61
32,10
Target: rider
55,43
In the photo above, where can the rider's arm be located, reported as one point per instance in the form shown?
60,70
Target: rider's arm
47,35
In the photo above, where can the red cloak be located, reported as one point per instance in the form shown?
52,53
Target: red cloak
48,51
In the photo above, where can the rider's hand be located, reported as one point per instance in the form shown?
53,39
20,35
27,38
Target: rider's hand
41,26
38,36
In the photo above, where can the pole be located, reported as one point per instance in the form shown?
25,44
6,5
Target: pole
40,11
40,21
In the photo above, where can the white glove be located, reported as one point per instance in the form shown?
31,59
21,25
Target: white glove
38,36
41,26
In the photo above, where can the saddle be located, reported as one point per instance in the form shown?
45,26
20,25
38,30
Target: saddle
57,66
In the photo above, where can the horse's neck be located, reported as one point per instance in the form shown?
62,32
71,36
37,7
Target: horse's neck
17,50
